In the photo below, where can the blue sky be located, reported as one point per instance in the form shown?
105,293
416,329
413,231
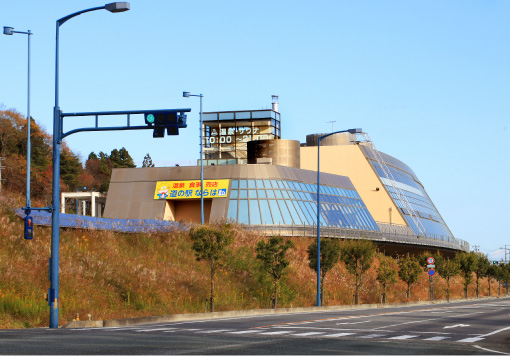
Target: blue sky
428,80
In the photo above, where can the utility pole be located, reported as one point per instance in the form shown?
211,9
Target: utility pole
505,247
332,125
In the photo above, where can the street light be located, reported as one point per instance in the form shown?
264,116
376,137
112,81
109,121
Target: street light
9,31
55,208
351,131
186,94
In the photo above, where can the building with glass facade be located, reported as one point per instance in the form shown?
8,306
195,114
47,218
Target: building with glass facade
255,178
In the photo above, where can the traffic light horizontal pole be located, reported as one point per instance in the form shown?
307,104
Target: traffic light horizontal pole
116,128
133,112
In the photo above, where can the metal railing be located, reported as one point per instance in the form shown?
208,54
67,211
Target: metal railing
387,233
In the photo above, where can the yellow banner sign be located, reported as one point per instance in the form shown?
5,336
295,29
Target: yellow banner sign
190,189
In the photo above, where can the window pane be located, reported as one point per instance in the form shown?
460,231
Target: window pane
267,184
295,216
243,194
285,194
274,184
260,183
275,210
311,219
232,210
234,194
270,193
243,183
304,219
243,212
252,194
262,193
251,183
254,213
278,193
266,212
285,212
280,184
235,184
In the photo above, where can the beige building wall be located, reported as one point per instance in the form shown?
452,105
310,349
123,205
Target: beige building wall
349,160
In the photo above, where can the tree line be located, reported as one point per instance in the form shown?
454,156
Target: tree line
94,173
211,244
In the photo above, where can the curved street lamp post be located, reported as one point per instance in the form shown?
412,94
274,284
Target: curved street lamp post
57,139
10,31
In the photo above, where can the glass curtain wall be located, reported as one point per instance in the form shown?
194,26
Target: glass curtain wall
413,191
284,202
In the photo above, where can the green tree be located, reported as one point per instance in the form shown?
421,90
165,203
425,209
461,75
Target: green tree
409,271
468,263
330,252
492,272
386,273
357,255
210,244
447,268
503,276
481,271
147,161
274,261
70,169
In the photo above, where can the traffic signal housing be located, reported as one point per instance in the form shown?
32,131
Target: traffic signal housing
29,227
171,120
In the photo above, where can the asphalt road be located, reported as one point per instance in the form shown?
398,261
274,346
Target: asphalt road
471,327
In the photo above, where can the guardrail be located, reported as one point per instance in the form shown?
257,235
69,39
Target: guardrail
388,233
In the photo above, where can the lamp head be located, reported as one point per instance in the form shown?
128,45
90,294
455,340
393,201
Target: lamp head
8,30
355,131
117,6
185,94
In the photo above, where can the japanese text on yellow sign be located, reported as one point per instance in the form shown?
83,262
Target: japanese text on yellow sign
190,189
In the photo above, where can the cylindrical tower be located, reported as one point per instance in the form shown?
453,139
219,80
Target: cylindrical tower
277,152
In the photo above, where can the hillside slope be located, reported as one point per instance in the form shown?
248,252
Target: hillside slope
117,275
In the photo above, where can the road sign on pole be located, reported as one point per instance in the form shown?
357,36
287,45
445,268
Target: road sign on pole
432,272
431,260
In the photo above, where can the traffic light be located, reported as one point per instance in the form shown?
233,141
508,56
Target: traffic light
495,262
165,119
29,227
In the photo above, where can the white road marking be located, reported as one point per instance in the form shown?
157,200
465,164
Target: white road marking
308,334
437,338
245,332
213,331
471,339
338,335
495,332
276,332
370,336
483,348
402,337
358,322
455,326
150,330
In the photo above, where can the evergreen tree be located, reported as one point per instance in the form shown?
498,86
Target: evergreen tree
330,253
409,271
357,255
210,244
447,268
386,273
274,261
481,271
147,161
468,263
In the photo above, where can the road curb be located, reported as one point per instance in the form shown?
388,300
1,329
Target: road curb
239,313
